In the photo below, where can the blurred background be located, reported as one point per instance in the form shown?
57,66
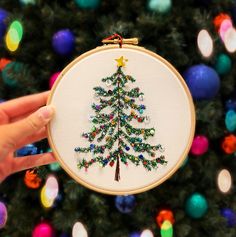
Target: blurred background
38,38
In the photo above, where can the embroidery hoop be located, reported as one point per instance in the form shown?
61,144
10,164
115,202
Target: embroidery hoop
181,158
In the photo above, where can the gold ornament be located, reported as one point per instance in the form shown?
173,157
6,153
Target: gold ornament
127,99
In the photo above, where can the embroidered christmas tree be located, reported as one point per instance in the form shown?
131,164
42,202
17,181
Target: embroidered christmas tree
113,138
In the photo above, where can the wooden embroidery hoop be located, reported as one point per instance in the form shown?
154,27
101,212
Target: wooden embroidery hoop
190,101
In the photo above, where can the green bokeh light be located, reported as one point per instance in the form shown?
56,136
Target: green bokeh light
16,25
166,229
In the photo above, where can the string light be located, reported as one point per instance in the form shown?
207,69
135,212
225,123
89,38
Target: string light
46,202
51,187
230,40
205,43
79,230
49,191
224,181
147,233
14,36
224,27
166,229
17,26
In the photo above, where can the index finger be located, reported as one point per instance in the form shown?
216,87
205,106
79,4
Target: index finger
23,105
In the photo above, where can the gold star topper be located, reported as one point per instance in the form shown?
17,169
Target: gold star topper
121,61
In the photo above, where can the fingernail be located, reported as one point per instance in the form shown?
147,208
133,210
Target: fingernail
46,112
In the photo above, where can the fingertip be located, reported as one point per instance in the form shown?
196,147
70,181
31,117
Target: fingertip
46,112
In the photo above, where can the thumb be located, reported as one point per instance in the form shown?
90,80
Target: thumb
28,126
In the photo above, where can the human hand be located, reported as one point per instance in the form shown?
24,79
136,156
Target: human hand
22,121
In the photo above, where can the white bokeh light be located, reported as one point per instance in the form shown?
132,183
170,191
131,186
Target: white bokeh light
51,187
205,43
79,230
230,40
224,181
147,233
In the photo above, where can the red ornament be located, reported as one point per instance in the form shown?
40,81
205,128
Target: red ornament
94,134
164,215
219,19
111,163
140,120
32,180
229,144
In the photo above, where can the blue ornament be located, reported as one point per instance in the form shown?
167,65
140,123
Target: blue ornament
230,120
230,104
63,42
203,81
127,148
230,216
88,4
161,6
140,156
92,146
196,206
125,204
105,162
3,16
29,149
135,234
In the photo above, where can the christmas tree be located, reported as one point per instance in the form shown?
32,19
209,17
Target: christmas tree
115,127
55,33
